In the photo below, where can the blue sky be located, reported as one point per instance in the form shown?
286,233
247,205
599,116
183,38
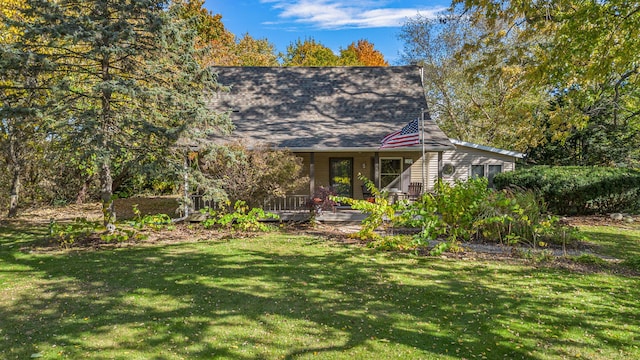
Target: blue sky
334,23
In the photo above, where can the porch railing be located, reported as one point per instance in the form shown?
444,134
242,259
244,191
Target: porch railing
287,203
292,203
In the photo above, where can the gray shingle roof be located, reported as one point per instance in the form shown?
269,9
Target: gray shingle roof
323,108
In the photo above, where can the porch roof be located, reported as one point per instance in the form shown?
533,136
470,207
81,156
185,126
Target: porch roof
323,108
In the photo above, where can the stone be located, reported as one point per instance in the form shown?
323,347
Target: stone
616,216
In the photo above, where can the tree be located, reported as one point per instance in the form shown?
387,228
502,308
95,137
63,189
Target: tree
219,47
584,51
362,53
309,53
128,80
254,52
470,99
23,128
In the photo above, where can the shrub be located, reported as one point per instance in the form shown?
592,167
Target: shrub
321,201
576,190
380,211
253,176
458,206
154,222
67,235
422,214
243,218
520,217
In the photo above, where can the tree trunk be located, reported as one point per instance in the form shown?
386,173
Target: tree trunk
106,194
81,197
82,193
15,181
15,190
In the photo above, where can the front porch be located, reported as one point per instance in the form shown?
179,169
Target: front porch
297,208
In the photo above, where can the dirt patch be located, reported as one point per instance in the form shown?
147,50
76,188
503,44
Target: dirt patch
93,211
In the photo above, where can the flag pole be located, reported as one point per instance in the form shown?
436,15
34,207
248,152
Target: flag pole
424,185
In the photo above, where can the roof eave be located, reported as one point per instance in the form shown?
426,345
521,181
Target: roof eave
515,154
372,149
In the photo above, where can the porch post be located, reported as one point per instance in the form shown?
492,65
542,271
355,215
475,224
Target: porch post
376,169
312,173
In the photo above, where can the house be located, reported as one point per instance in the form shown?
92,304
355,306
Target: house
334,118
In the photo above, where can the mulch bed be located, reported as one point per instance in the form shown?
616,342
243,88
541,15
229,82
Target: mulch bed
338,233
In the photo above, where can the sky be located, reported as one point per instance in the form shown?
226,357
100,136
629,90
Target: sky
333,23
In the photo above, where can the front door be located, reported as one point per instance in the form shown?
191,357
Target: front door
341,176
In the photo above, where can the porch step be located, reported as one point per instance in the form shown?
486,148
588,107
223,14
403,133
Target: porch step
341,216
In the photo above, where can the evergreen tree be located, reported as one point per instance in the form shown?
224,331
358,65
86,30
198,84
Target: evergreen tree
127,80
22,97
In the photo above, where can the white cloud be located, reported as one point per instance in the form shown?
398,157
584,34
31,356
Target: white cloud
332,14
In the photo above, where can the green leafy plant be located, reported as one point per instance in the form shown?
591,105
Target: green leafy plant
381,212
154,222
122,235
519,218
67,235
458,206
243,218
393,242
422,214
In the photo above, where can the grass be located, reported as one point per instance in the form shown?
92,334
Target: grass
614,241
298,297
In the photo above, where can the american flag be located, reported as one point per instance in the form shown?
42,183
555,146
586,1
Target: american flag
408,136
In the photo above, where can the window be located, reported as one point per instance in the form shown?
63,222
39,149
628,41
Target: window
493,170
448,169
489,170
477,171
341,176
391,173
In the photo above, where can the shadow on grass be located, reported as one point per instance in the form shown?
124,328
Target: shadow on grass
614,241
245,300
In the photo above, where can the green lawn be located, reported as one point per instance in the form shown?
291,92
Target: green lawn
285,296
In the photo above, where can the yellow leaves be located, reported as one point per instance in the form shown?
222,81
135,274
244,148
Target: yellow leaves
367,54
10,9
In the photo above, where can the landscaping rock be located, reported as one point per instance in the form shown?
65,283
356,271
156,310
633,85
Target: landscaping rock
616,216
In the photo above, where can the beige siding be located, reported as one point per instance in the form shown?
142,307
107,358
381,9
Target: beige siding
462,158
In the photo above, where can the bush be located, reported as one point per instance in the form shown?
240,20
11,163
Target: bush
458,206
576,190
254,176
242,218
464,211
380,211
67,235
